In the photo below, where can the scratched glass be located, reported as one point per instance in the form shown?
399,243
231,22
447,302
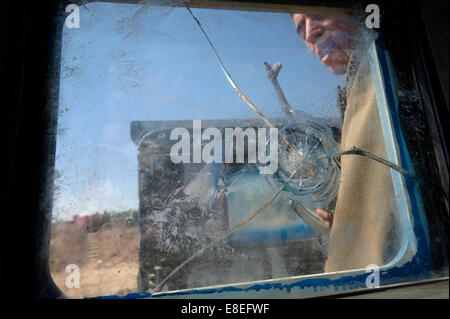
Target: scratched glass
138,208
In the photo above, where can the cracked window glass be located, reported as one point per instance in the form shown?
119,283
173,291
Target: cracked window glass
200,147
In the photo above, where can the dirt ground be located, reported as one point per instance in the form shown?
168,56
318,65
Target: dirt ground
107,259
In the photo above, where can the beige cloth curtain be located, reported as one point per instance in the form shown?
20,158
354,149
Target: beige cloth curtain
364,220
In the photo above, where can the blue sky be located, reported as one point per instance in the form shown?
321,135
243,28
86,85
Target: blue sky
128,63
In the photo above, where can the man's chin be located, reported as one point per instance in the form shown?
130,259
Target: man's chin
338,69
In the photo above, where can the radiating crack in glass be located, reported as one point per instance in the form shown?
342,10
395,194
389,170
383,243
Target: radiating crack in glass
357,151
230,80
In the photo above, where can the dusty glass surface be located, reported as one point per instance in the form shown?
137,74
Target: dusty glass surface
141,207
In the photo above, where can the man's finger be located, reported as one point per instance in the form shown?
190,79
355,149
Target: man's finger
322,214
324,217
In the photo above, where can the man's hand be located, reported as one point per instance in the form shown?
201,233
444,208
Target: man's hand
324,216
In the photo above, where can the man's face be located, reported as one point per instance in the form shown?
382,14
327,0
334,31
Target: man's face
331,38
